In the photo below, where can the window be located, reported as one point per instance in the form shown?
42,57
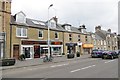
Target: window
56,35
86,38
21,32
68,28
53,25
3,5
40,34
70,37
78,37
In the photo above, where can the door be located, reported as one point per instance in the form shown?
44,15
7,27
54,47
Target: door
16,51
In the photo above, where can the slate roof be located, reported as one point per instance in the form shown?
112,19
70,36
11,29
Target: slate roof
30,23
98,37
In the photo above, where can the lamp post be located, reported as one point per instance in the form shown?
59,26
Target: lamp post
49,32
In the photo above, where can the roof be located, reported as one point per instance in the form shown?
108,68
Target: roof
43,25
98,37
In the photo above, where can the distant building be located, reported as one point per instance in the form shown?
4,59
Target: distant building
119,42
105,40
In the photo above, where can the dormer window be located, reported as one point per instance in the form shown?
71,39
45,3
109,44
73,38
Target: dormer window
68,28
21,17
52,24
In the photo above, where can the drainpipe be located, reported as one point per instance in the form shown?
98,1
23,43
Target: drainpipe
4,44
10,39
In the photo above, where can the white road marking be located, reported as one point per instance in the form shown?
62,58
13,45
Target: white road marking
59,65
82,68
37,68
109,61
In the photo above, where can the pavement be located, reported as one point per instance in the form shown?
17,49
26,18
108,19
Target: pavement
39,61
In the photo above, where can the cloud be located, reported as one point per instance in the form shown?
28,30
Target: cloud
75,12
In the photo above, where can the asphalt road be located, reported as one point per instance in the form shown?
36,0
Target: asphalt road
80,68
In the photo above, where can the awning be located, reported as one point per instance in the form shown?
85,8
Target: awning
87,45
71,44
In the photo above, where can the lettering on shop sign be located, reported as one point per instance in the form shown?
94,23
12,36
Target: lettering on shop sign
33,42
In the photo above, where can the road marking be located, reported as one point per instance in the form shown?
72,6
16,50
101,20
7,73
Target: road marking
82,68
109,61
59,65
37,68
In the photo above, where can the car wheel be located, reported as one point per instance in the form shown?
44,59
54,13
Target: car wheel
112,57
103,57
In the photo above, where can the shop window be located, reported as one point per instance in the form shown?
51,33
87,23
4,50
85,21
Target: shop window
56,50
21,32
43,51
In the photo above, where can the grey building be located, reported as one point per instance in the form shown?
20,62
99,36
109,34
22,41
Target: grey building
107,39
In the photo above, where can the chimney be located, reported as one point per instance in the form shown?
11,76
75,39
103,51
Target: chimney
97,28
56,19
109,30
82,28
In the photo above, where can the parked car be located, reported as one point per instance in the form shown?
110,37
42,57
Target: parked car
109,55
117,51
96,53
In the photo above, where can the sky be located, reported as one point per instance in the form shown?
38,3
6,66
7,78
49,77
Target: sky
91,13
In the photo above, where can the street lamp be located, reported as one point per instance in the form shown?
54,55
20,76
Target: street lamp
49,32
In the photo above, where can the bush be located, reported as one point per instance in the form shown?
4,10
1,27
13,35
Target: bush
7,62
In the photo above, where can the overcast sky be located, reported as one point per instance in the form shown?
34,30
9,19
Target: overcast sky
76,12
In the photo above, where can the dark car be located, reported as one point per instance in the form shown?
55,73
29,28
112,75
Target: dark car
109,55
96,53
117,51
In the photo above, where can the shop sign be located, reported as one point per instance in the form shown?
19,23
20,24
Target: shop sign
87,45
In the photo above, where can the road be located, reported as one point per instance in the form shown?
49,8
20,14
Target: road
79,68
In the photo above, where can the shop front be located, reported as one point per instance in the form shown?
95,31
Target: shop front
38,49
56,48
31,49
71,47
87,48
